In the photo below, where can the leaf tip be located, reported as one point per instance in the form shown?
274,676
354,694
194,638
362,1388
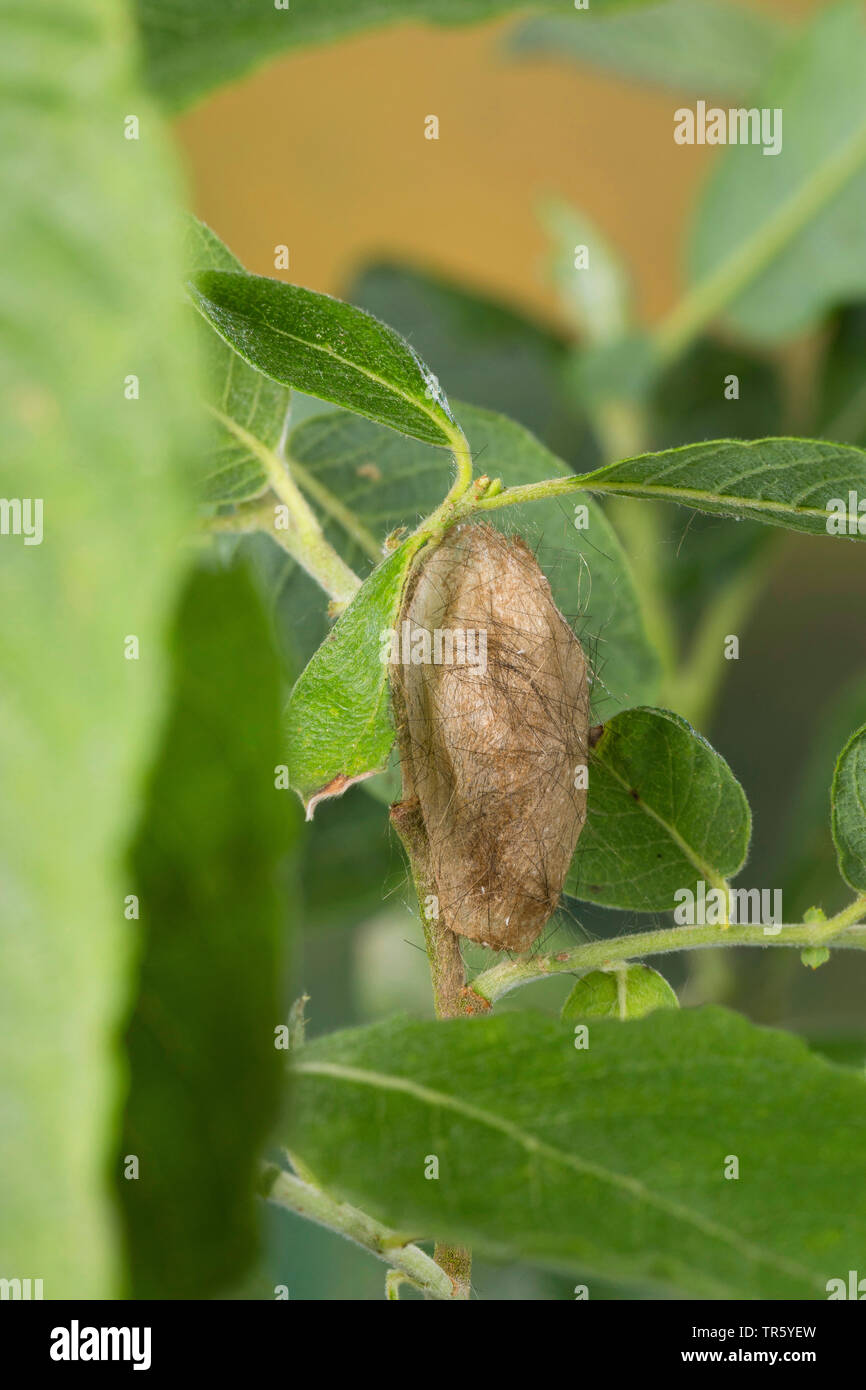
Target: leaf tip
335,787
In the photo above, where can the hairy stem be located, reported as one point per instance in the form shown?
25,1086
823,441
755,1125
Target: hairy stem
303,538
406,1259
840,931
443,947
451,999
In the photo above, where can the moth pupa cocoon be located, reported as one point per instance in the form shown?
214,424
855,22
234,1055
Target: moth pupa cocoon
492,702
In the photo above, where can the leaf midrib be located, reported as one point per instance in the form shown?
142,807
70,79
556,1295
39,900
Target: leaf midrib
533,1145
389,386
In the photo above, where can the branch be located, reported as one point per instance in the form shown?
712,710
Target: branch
408,1260
492,984
304,539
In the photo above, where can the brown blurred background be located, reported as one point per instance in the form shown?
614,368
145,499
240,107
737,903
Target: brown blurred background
324,151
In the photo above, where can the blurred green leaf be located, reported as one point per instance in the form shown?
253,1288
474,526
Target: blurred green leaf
629,992
327,348
338,723
231,472
597,297
843,379
848,799
788,227
700,47
388,481
190,47
844,1051
205,1075
664,812
350,860
689,402
88,300
784,482
608,1160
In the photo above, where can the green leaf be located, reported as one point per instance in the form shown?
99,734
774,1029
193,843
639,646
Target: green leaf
815,956
190,47
231,472
807,866
701,555
205,1076
89,267
607,1161
338,721
628,992
843,379
784,482
664,812
386,481
848,800
785,230
328,349
700,47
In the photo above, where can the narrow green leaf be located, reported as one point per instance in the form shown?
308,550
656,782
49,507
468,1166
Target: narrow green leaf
807,861
848,800
665,812
784,231
190,47
803,484
205,1076
700,47
328,349
387,481
608,1161
338,722
231,472
89,266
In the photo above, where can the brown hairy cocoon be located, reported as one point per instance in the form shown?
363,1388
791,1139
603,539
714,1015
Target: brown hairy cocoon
491,754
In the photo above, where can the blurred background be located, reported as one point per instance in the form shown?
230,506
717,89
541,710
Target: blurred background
453,242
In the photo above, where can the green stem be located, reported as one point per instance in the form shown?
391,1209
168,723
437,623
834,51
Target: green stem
304,539
534,492
404,1258
492,984
456,502
462,456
